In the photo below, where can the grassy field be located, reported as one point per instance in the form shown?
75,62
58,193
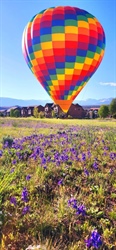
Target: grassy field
24,126
57,184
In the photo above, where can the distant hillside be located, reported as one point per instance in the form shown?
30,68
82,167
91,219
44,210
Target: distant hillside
94,102
6,102
9,102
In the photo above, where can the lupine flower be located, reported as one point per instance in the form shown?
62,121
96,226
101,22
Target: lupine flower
94,240
83,157
5,145
25,194
104,153
72,150
1,153
12,170
43,160
80,209
111,171
48,158
89,154
56,156
28,177
60,182
58,163
14,162
42,155
95,165
13,200
86,172
26,209
112,155
72,202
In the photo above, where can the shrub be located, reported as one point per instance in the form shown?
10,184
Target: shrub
103,111
14,113
112,106
11,113
35,112
53,114
41,115
62,115
8,140
69,117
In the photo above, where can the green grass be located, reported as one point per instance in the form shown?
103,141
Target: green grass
19,124
56,160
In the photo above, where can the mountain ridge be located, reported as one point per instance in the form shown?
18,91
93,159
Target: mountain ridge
6,102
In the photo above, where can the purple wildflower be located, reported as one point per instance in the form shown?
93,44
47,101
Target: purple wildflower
5,144
81,210
60,182
83,157
14,162
26,209
111,171
72,150
89,154
28,177
12,170
58,163
94,240
42,155
95,165
72,202
112,155
105,153
13,200
48,158
25,194
1,153
43,161
86,172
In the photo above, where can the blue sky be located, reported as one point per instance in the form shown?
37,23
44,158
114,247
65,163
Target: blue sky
16,79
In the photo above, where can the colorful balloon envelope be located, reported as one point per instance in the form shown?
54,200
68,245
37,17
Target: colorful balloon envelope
63,47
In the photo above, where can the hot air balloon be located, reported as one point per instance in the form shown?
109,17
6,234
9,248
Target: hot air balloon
63,47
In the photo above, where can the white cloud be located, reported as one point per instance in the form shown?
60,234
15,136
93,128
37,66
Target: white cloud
112,84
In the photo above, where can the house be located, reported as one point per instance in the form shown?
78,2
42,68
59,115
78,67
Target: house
30,110
3,112
76,111
57,110
24,112
48,110
40,108
8,112
93,112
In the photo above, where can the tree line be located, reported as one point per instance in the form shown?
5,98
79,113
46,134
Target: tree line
106,110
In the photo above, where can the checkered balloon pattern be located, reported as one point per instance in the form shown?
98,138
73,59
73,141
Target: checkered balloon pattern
63,47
